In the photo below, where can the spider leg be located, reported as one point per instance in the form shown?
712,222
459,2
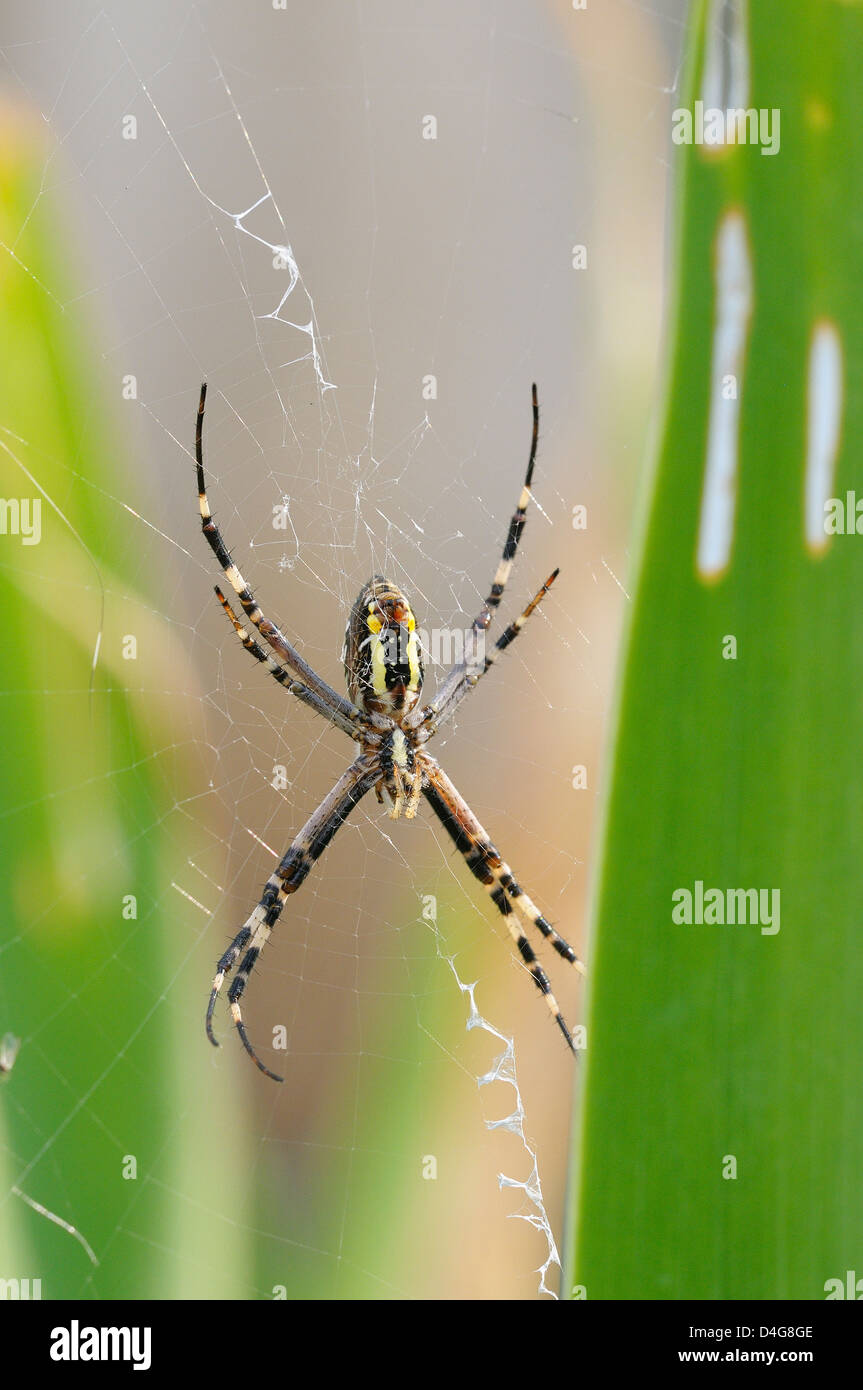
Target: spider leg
415,792
284,677
396,808
308,846
440,710
499,869
516,526
471,663
267,629
495,875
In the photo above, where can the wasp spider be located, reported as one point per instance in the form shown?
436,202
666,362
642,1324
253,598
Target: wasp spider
384,669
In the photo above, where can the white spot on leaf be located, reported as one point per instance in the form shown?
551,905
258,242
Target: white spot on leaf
725,76
823,427
733,310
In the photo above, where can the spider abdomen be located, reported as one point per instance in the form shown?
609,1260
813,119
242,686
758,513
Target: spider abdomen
382,652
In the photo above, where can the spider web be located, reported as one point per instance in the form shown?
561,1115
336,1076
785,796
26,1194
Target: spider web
369,306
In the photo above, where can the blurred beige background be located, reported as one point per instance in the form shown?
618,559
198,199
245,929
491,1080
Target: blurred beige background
451,257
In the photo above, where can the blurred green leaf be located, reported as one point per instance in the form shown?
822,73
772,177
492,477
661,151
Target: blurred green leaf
84,812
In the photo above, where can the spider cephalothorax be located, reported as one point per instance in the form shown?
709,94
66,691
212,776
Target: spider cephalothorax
384,669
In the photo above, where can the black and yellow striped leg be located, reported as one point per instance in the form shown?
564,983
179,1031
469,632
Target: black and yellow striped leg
516,526
471,667
440,710
528,909
284,677
501,872
267,629
224,967
294,868
496,877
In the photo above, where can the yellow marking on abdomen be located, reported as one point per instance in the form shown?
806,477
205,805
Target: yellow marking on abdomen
379,666
414,661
